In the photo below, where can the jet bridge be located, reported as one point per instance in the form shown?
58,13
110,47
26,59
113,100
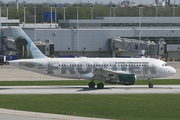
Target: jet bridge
141,47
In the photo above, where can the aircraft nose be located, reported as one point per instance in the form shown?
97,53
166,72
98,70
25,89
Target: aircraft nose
172,71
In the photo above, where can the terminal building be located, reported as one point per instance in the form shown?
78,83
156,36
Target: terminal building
92,38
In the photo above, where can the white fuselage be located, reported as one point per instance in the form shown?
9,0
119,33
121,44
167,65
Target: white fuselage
78,68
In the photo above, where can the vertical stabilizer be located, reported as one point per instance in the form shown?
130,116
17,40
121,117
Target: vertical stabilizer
26,49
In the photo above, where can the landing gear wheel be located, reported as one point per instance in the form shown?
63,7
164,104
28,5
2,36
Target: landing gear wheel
150,85
100,86
91,85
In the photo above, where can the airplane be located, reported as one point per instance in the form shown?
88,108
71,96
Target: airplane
123,71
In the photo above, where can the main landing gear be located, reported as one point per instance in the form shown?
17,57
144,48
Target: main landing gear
150,84
91,85
99,85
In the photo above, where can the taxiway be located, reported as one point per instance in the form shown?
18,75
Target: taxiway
109,89
7,114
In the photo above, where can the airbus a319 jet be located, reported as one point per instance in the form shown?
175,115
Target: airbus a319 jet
124,71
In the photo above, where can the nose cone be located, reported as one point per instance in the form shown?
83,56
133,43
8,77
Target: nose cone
172,71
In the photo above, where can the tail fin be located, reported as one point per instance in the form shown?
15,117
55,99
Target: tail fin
25,47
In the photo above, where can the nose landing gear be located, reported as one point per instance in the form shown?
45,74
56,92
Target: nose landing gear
150,83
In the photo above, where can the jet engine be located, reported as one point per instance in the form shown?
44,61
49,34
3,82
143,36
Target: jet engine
124,79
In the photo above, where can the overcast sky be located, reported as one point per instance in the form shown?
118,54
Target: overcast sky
91,1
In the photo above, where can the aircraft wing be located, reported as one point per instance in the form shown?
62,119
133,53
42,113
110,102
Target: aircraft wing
107,73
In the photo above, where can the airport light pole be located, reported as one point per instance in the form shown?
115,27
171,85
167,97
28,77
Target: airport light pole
173,7
110,10
140,7
114,10
35,23
17,4
92,7
55,14
7,10
24,14
77,43
157,11
64,12
51,14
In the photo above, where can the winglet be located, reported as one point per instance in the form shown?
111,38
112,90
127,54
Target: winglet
25,47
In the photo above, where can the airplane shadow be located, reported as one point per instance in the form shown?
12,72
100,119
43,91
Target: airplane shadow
135,88
4,88
92,89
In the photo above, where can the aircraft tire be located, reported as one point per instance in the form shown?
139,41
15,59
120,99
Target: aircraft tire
91,85
100,86
150,85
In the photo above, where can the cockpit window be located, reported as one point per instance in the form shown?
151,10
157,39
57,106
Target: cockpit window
165,64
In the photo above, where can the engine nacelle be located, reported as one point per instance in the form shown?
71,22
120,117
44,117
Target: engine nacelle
124,79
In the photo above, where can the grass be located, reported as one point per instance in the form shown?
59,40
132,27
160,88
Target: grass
83,82
122,107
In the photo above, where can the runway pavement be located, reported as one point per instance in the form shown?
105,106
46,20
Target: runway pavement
6,114
109,89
